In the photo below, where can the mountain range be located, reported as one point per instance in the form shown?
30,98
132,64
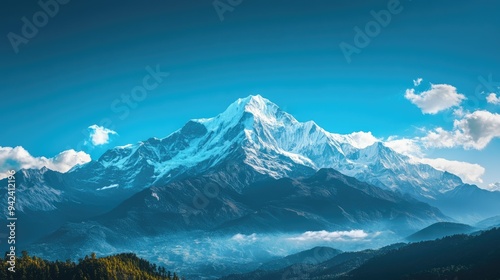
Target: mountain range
258,133
252,168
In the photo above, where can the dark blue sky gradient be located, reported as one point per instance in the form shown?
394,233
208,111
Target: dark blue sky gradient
66,77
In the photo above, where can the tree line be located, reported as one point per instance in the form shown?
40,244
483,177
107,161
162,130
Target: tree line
115,267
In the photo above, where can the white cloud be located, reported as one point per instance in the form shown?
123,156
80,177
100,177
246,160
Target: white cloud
417,82
493,99
468,172
405,146
460,112
331,236
494,186
440,138
18,158
100,135
362,139
474,131
244,238
440,97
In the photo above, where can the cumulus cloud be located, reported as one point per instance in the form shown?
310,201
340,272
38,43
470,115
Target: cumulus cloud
18,158
474,131
493,99
99,135
468,172
494,187
417,82
354,235
440,97
362,139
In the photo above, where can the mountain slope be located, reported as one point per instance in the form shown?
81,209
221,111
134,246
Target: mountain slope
329,200
468,203
313,256
329,269
455,257
45,201
440,230
326,201
488,223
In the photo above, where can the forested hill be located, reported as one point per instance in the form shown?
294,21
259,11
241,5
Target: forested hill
455,257
121,266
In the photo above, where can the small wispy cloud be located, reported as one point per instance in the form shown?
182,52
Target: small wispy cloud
99,135
242,238
494,186
352,235
112,186
417,82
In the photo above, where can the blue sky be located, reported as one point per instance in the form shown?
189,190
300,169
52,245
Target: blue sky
67,77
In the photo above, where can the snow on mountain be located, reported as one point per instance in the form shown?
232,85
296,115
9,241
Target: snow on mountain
272,142
40,186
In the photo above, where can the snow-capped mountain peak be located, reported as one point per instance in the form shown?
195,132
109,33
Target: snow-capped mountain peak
258,133
253,108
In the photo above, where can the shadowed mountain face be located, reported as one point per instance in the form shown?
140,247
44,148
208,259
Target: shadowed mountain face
468,203
313,256
332,268
45,201
488,223
440,230
327,201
